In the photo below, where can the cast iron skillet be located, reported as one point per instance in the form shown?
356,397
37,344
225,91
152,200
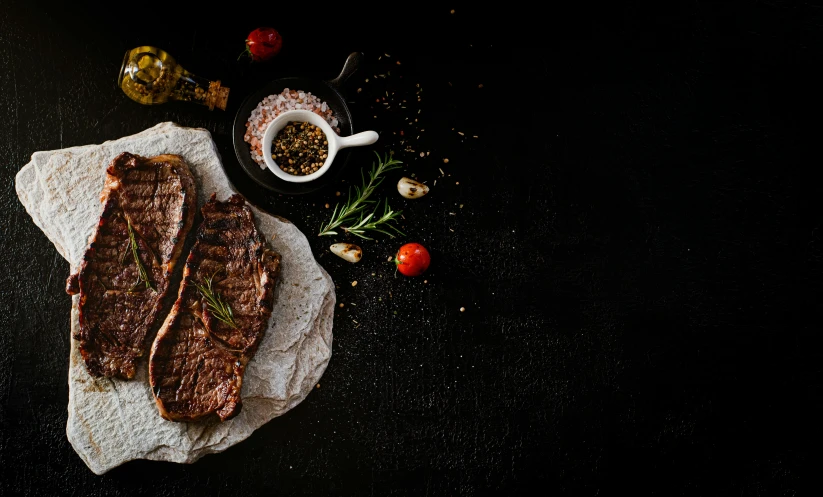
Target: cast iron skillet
327,91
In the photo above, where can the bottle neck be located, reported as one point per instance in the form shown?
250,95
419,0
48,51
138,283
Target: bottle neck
192,88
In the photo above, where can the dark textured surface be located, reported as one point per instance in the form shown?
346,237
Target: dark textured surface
635,238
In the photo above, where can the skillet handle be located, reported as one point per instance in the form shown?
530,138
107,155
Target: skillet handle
349,68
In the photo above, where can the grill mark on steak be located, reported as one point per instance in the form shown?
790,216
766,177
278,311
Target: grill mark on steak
197,362
156,195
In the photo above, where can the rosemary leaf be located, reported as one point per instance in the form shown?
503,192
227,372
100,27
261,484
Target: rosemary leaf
355,204
372,223
219,309
142,275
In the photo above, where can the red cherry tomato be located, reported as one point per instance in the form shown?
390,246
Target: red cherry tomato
263,44
412,259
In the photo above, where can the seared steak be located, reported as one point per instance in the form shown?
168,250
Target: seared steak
148,209
222,311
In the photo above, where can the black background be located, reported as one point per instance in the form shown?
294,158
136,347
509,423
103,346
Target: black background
634,235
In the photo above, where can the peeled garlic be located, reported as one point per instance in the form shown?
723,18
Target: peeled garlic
410,188
347,251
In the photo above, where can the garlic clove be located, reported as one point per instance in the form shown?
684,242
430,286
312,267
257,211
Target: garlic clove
347,251
410,188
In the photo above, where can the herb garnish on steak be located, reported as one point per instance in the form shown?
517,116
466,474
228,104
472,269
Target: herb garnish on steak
221,314
147,213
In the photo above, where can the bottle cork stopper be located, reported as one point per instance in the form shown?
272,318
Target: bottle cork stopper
218,96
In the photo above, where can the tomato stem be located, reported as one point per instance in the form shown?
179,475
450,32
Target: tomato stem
245,52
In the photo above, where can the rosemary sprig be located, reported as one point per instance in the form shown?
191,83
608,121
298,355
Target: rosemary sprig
372,223
142,275
219,309
355,205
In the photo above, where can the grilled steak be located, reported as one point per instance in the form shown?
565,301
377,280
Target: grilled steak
148,209
222,311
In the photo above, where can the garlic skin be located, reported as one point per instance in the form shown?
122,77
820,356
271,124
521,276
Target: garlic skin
410,188
347,251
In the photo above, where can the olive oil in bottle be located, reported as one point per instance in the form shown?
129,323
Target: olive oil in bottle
151,76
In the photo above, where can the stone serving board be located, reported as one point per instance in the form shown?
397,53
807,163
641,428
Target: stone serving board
111,421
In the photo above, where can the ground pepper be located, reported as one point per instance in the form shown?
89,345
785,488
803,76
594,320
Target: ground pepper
300,148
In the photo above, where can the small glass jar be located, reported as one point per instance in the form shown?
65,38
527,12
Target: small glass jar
151,76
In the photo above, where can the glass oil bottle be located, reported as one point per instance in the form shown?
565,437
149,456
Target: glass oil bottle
151,76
